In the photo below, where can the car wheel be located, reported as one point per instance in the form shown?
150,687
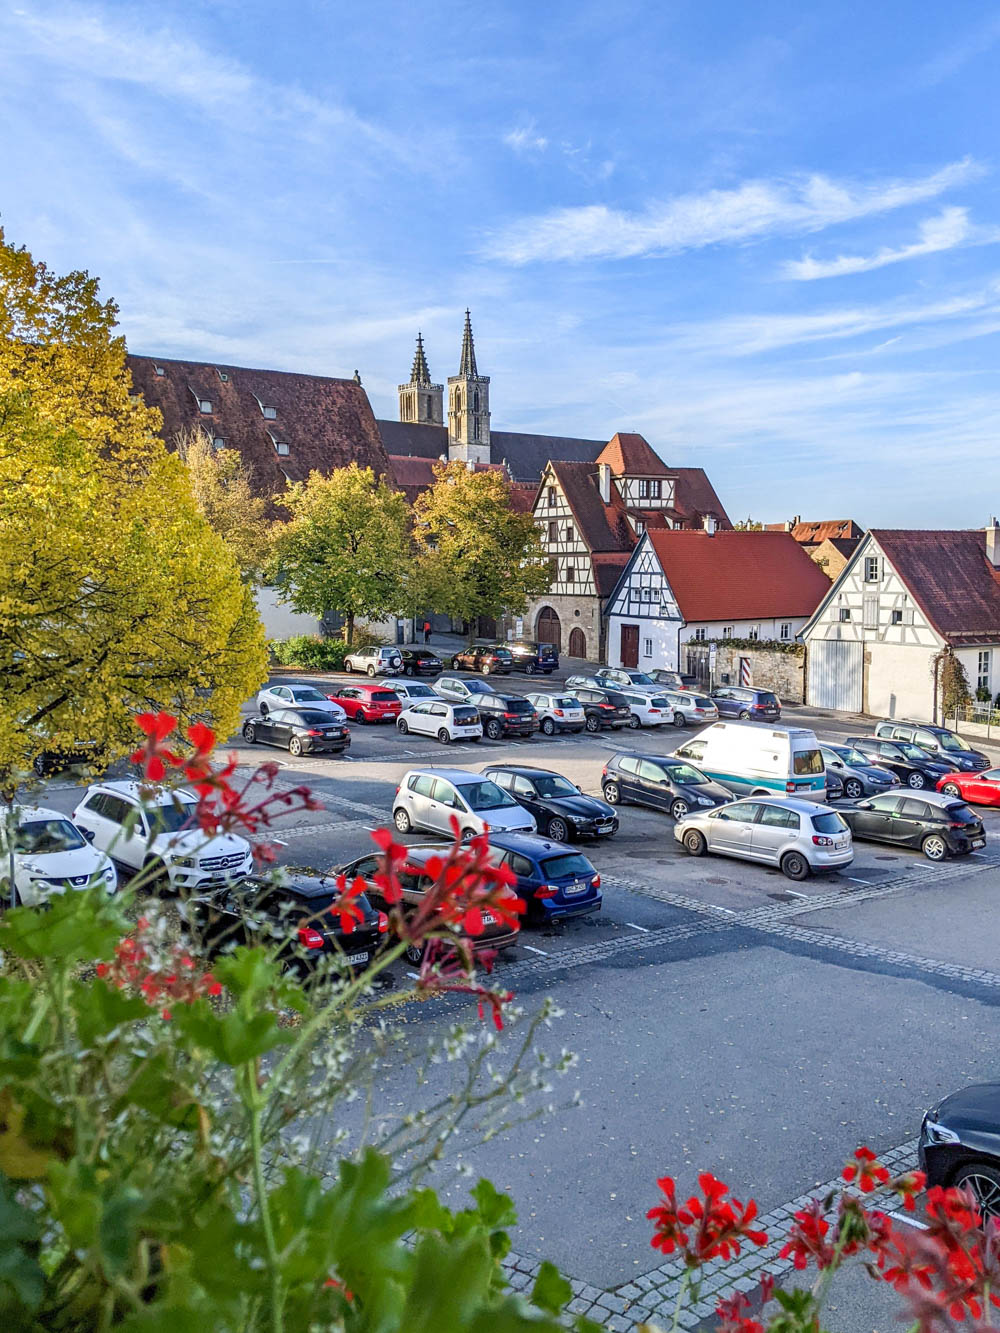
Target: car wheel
408,671
934,847
414,954
592,724
612,793
263,710
359,717
348,665
694,843
795,866
372,672
295,746
493,729
444,736
249,732
745,715
950,789
984,1182
853,789
529,668
468,834
548,726
557,830
678,719
402,726
634,722
401,819
679,809
157,876
484,670
917,781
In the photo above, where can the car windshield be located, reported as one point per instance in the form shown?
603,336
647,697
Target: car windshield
466,714
849,754
417,691
550,784
305,694
684,773
991,774
828,823
562,867
949,741
486,796
39,836
172,818
660,702
640,678
805,762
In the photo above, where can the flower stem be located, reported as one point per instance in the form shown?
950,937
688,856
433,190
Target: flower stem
254,1105
684,1288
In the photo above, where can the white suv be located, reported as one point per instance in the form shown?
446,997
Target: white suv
49,855
160,833
427,798
376,661
437,717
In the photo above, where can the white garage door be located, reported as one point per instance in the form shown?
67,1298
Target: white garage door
836,670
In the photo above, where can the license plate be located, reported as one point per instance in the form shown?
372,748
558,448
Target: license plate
570,889
489,919
978,842
840,844
357,958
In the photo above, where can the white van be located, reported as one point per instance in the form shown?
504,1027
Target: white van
752,760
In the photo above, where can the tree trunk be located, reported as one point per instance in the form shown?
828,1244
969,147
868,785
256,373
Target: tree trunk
349,627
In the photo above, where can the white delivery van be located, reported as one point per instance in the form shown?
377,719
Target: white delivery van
752,760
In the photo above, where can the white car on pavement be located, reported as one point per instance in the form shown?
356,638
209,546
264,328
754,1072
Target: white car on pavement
409,691
160,833
49,856
298,696
438,717
558,712
623,678
650,710
375,661
429,798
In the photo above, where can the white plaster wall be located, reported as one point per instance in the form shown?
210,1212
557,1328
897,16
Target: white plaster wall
663,634
766,629
280,621
969,657
900,683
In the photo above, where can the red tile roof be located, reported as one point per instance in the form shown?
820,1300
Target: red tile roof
695,497
811,534
950,578
739,575
631,456
608,566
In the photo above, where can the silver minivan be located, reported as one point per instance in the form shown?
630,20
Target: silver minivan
798,836
429,798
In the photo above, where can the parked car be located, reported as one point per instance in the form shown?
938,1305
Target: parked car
47,762
409,691
561,810
694,709
465,691
558,712
857,776
662,782
758,761
834,787
939,742
378,660
292,696
624,678
299,731
976,788
506,715
441,718
936,824
296,912
911,763
750,705
419,661
959,1144
602,708
800,837
489,659
673,680
369,702
50,855
161,835
428,798
587,682
531,657
651,710
415,883
555,881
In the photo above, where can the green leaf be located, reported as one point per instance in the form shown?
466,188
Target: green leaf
20,1233
496,1209
118,1229
100,1009
551,1291
233,1038
76,927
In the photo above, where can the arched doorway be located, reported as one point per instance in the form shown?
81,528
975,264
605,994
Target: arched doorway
548,629
577,642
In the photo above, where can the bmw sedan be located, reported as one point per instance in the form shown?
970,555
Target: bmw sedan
292,696
561,811
298,730
960,1144
858,775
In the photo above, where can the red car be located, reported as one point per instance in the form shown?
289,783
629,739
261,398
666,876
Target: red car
368,703
976,788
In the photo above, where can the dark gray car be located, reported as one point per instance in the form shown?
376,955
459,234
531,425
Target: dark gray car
859,776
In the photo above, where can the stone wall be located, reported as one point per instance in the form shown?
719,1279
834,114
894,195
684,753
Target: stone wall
574,613
770,668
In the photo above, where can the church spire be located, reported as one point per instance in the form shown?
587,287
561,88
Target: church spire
419,374
468,362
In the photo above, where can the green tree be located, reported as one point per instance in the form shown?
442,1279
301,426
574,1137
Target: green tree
115,595
222,484
346,548
479,556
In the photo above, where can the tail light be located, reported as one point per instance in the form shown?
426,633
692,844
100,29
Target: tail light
546,891
654,710
309,938
604,772
821,840
313,732
595,883
510,716
383,923
610,707
558,712
789,786
397,791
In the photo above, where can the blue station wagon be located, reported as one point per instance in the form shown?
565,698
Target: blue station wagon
554,880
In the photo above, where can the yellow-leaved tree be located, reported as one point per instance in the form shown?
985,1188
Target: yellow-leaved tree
222,485
115,594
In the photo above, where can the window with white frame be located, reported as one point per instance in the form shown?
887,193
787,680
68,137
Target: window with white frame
983,670
222,376
647,647
727,631
785,632
871,569
655,490
843,613
700,633
643,489
640,527
280,448
270,413
158,370
754,632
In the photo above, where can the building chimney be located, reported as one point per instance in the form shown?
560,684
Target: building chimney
709,524
993,543
604,481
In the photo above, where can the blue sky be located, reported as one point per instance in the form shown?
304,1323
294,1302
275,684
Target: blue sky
766,236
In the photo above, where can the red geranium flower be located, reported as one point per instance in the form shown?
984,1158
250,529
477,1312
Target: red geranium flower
720,1224
865,1167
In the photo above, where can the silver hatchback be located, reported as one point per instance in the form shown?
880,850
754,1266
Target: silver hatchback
430,798
800,837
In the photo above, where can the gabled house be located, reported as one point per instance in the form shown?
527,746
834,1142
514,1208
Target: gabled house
681,585
903,596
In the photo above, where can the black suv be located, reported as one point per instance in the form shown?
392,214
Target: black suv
533,657
938,825
561,811
604,708
943,744
419,661
506,715
912,764
660,781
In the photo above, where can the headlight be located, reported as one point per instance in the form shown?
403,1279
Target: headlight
936,1133
186,861
703,800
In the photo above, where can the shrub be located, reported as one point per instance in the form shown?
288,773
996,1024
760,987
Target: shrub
309,650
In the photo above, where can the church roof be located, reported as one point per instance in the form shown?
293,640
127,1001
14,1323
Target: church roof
524,453
419,373
467,365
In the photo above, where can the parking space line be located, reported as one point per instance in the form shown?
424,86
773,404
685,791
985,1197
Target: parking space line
855,880
644,929
794,893
531,948
910,1221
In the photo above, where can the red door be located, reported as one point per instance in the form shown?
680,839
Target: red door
630,646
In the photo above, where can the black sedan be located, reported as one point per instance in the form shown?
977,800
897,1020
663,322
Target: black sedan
910,763
960,1144
420,661
660,781
938,825
298,730
297,913
561,811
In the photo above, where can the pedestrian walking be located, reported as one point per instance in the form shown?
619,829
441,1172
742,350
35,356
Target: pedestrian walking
427,631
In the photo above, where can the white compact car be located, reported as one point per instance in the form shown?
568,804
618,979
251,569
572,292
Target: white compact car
558,712
437,717
650,710
428,798
410,691
50,856
161,834
376,661
299,696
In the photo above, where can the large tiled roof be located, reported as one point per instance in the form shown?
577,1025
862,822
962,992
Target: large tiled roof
414,475
603,527
695,497
326,423
630,455
950,578
524,454
739,575
608,566
812,533
402,438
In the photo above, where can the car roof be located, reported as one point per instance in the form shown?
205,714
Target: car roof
33,812
456,775
137,791
530,769
803,807
530,844
937,798
303,883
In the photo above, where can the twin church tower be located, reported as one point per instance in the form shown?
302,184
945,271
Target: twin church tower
422,403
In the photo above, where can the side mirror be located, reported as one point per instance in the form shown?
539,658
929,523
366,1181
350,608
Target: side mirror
88,833
579,789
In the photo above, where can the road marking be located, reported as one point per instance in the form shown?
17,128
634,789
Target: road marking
414,975
854,879
644,929
910,1221
532,949
794,893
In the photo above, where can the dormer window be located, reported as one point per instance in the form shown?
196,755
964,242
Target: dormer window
205,405
222,376
269,412
158,370
280,448
219,442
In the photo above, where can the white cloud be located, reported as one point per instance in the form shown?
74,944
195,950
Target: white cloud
525,140
755,209
949,229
